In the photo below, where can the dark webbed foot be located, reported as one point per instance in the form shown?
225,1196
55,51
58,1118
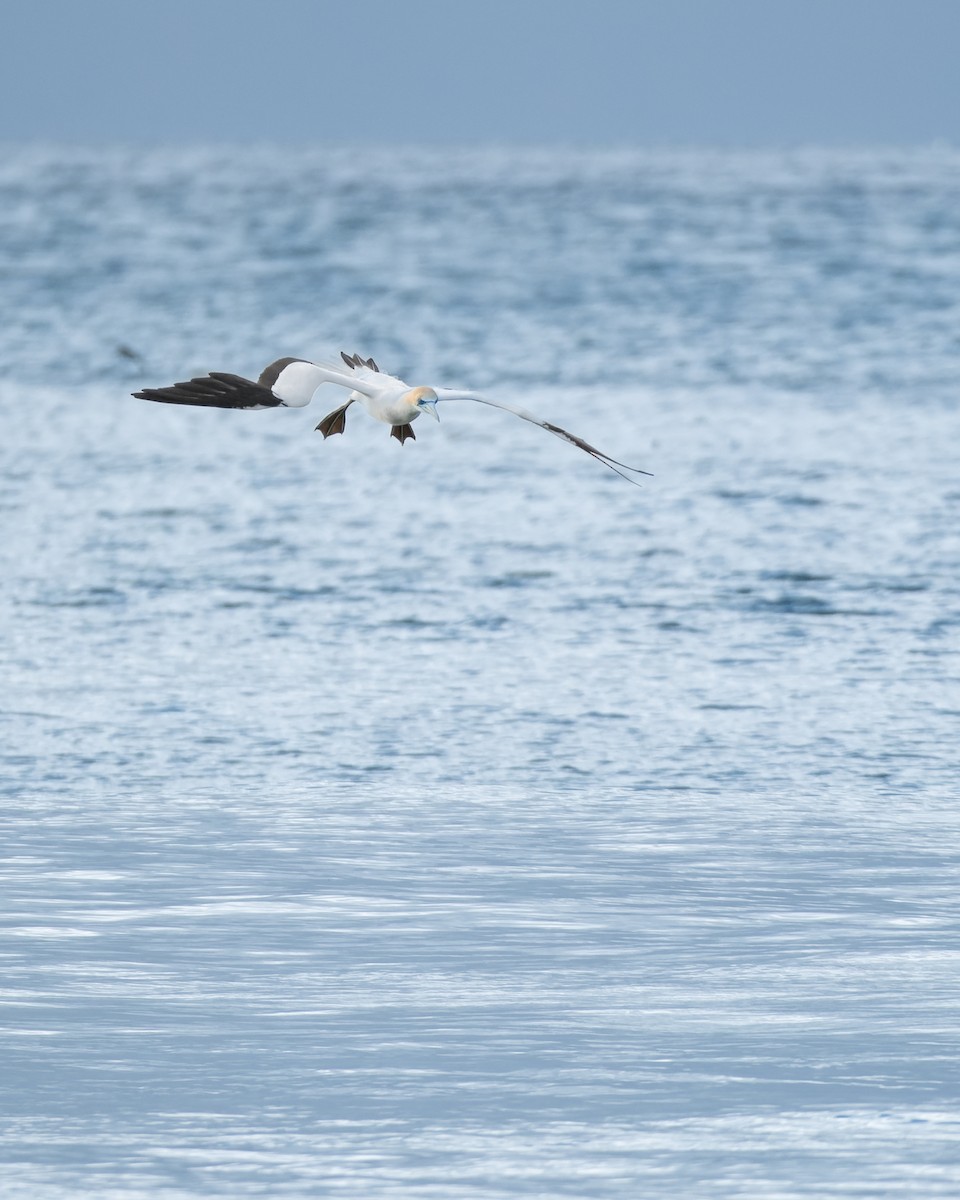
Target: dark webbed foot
402,432
334,422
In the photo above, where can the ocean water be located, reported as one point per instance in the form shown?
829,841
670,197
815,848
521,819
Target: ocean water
456,819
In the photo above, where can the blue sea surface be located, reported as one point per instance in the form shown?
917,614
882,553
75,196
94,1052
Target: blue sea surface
455,819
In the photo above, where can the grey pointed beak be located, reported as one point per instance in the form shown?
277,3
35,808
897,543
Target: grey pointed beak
430,406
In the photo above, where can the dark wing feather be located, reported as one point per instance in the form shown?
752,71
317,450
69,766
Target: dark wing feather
216,390
622,469
354,360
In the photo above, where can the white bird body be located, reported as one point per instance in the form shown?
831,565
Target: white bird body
292,383
383,396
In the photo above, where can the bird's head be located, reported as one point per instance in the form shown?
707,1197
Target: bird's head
423,399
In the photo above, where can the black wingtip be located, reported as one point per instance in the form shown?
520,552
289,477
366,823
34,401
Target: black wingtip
354,360
219,389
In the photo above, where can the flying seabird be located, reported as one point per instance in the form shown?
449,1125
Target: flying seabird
291,383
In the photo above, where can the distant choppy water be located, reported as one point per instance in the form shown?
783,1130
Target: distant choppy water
457,820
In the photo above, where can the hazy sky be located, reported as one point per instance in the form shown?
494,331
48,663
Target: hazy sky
649,72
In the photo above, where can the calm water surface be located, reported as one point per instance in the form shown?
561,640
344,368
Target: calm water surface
455,819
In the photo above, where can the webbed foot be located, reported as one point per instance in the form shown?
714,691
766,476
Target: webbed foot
402,432
334,422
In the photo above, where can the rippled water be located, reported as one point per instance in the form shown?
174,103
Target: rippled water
456,819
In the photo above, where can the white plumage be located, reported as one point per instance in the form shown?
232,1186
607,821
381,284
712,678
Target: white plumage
292,382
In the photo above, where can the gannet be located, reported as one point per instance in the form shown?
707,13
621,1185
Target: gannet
291,383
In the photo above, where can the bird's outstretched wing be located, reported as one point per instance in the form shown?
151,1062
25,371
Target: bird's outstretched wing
288,382
216,390
621,469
